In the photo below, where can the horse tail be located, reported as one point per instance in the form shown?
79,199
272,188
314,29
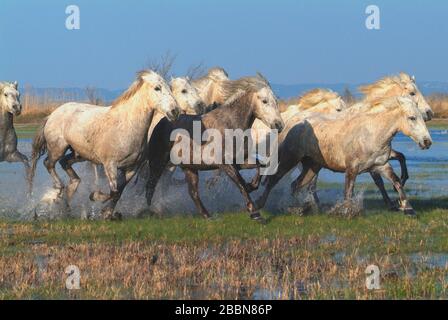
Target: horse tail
39,148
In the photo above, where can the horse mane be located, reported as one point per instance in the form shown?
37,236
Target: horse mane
215,74
132,90
387,103
243,85
316,96
397,80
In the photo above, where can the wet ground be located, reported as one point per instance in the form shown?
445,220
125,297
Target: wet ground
427,170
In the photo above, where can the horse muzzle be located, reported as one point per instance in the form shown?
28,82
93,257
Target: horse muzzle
17,110
173,115
429,115
278,125
425,144
200,108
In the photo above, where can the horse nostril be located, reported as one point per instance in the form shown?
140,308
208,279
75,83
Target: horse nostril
173,114
279,126
429,114
427,143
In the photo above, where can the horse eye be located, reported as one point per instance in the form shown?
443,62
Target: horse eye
6,94
184,91
412,93
412,118
265,101
158,88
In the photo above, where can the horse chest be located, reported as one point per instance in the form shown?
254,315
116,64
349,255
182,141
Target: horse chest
8,142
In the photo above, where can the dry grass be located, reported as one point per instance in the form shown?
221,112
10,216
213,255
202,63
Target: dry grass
35,108
439,104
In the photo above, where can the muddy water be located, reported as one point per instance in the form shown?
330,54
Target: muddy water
427,169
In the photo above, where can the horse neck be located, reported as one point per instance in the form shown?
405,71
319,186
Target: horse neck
385,124
241,111
322,107
6,120
136,111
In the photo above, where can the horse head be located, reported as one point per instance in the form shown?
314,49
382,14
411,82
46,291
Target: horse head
10,98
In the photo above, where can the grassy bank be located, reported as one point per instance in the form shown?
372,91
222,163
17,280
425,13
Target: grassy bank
311,257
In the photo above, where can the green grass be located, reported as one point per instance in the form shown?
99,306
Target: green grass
25,131
438,124
373,227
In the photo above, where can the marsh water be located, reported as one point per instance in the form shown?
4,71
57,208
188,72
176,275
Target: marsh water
427,170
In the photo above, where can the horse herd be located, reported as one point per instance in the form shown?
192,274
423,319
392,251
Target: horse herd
135,132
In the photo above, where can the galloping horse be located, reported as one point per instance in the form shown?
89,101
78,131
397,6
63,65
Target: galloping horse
247,99
355,144
115,137
391,86
10,106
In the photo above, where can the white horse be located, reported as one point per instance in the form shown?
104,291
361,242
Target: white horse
115,137
351,144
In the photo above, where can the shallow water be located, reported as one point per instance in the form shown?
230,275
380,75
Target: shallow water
427,171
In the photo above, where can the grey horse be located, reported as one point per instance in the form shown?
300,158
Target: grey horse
10,106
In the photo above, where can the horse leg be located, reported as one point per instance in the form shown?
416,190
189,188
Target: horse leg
350,178
388,172
236,177
380,184
307,177
395,155
116,189
256,180
66,163
192,178
312,190
16,156
50,163
271,181
156,169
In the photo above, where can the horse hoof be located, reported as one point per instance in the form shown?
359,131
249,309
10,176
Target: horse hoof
258,218
117,216
109,214
410,212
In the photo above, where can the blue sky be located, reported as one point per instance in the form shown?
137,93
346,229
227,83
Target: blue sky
291,42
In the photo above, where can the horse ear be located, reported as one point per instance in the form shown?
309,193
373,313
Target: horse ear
188,78
413,78
15,84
